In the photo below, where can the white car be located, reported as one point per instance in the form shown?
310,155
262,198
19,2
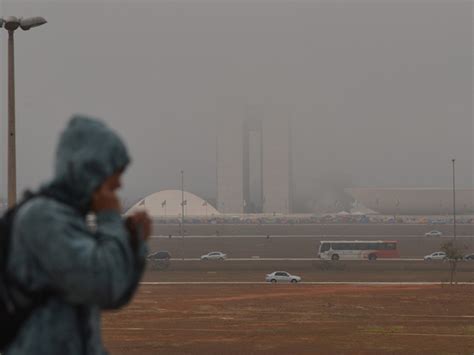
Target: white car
438,255
433,233
282,276
214,255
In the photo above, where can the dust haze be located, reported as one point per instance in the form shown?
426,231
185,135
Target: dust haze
379,93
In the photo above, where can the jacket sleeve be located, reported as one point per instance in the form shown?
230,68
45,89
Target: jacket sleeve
139,251
84,267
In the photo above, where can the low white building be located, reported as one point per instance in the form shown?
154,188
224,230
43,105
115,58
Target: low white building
168,203
420,201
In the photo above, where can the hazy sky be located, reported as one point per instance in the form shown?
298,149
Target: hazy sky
378,90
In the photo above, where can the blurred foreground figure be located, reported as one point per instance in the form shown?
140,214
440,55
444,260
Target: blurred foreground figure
53,250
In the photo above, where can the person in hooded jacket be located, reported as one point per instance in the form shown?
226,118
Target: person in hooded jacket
53,249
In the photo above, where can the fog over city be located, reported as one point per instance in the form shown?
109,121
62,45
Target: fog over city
379,93
302,177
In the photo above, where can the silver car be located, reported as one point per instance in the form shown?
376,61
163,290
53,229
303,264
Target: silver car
282,276
433,233
438,255
469,257
214,255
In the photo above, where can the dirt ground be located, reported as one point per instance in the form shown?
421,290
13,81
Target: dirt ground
294,319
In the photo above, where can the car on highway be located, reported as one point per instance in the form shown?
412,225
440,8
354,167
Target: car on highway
214,255
433,233
438,221
282,276
469,257
437,255
159,260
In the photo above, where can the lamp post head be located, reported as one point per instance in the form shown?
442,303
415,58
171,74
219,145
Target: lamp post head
30,22
11,23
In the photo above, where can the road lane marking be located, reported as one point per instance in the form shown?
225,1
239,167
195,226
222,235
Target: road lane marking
361,283
292,259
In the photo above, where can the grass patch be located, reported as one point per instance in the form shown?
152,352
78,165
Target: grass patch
377,329
469,329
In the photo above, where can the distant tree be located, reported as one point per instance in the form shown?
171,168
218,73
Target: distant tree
454,254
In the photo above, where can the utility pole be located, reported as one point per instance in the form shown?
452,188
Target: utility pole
454,201
182,213
11,122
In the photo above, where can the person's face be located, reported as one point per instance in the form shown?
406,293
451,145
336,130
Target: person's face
113,182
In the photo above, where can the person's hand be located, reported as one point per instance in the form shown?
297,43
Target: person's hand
105,198
139,222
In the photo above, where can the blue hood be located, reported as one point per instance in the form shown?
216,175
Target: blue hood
88,152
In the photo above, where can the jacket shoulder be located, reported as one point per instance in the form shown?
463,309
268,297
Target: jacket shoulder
42,212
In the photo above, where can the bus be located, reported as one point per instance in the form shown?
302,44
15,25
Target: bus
358,249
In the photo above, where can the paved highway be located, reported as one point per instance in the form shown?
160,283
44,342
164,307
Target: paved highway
256,259
329,237
361,283
311,229
285,246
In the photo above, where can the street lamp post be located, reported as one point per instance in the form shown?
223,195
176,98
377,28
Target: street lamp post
454,200
11,24
182,201
182,213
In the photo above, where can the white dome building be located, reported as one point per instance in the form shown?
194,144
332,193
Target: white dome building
167,203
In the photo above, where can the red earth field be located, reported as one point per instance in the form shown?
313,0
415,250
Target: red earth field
294,319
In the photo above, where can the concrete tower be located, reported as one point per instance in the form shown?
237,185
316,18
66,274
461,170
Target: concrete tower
254,168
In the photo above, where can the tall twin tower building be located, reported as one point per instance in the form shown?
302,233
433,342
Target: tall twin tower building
254,166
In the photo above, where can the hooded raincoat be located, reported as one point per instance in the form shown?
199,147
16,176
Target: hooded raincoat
54,249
